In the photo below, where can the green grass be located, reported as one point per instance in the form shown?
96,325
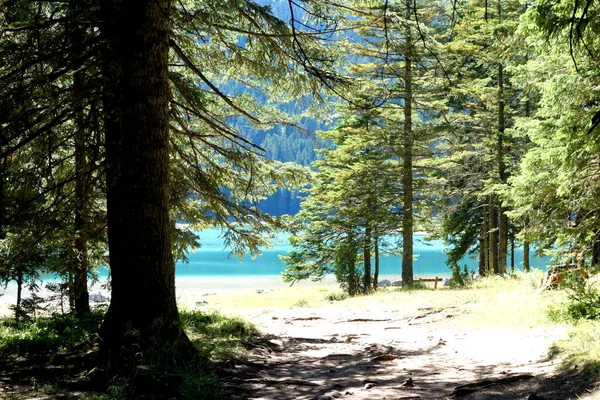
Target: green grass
57,333
336,296
581,349
218,336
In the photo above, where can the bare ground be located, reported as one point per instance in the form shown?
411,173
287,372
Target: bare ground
364,353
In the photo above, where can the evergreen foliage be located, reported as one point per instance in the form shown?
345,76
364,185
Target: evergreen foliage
475,121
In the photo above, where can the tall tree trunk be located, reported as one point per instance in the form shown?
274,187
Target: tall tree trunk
512,252
485,252
596,249
142,318
502,218
493,240
80,289
367,261
3,178
71,290
376,275
526,256
407,166
19,295
526,267
482,252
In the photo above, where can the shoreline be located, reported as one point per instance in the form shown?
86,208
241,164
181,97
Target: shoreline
190,290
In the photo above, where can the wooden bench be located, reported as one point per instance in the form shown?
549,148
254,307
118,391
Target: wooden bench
434,280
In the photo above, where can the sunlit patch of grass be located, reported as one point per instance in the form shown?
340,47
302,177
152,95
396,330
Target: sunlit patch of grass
508,302
218,336
581,349
336,296
274,299
302,303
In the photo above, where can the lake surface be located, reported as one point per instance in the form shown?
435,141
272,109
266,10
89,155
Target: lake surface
212,259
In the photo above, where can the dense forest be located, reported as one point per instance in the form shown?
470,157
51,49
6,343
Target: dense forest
126,127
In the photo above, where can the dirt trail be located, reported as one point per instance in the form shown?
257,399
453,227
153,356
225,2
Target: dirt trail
357,354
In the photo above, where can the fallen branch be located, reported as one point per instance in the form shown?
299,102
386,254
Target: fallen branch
469,388
386,357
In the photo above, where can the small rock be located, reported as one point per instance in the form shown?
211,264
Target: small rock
408,383
98,298
370,385
259,290
276,343
334,394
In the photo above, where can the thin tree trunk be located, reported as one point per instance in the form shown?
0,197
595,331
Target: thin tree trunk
367,261
596,253
80,289
485,253
3,178
526,267
376,275
19,296
493,241
407,166
482,251
142,323
502,218
71,290
512,252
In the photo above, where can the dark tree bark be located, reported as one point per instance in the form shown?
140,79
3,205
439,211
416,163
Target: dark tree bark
407,164
82,200
526,256
19,295
485,250
512,252
367,260
376,274
502,218
493,240
3,177
481,266
596,249
143,316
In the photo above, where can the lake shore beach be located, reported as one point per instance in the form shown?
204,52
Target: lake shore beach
226,291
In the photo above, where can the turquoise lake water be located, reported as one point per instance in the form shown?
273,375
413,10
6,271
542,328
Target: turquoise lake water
211,260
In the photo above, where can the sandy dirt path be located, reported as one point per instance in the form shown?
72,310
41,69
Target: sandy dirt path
364,353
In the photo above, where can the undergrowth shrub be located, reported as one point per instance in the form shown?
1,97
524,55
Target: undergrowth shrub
58,332
583,301
459,278
336,296
214,324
